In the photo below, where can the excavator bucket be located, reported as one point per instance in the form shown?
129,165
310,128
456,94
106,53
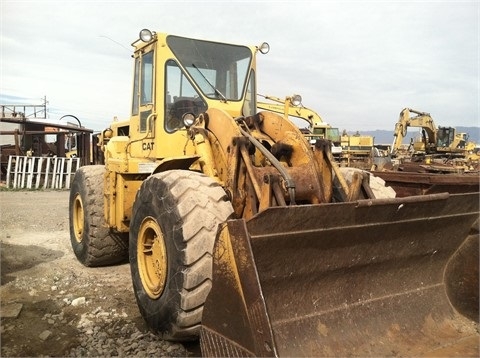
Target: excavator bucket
363,278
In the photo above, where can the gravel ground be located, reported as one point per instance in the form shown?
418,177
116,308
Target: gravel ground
53,306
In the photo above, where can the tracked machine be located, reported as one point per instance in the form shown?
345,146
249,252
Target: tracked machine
242,236
436,141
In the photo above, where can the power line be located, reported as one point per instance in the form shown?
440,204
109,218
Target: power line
118,43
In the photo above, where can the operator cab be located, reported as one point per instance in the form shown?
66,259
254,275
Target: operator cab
196,75
445,137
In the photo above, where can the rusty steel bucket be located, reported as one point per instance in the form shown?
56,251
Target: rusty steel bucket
364,278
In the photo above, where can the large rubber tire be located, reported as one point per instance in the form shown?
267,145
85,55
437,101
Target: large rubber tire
379,189
93,243
174,224
462,276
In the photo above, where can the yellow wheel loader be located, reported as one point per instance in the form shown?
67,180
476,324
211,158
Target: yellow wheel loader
292,106
240,235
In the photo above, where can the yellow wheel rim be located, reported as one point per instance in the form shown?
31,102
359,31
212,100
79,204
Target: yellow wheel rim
152,257
78,217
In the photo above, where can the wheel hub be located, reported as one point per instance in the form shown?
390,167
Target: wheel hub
78,217
152,258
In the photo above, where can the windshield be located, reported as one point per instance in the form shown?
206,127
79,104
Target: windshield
219,70
333,134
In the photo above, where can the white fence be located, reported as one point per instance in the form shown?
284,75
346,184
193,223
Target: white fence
41,172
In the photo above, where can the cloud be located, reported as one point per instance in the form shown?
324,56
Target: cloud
357,63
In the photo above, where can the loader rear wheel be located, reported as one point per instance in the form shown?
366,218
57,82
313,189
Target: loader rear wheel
174,224
93,243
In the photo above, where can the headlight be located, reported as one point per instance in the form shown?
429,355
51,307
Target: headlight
188,119
264,48
146,35
108,133
296,100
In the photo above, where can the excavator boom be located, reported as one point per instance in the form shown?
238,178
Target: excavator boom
422,120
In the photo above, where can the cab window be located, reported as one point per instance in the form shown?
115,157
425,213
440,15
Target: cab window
147,79
136,86
250,104
142,83
181,97
219,70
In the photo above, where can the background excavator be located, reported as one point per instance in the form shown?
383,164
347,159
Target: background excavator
240,234
435,140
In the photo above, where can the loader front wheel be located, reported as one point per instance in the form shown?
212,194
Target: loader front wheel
93,243
174,224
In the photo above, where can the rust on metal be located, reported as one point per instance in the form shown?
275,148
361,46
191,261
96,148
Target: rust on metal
240,326
410,183
350,279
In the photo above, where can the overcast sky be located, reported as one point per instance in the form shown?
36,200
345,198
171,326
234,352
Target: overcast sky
356,63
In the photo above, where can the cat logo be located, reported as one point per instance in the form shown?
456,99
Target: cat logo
147,146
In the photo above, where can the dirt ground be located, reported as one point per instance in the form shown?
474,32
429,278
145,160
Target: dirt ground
53,306
45,292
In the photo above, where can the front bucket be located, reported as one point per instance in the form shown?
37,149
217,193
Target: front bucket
364,278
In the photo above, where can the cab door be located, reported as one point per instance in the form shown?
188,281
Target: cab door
143,104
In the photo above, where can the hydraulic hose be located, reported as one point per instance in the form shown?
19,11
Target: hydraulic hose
289,182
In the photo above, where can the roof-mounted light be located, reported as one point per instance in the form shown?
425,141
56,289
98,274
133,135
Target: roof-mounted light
146,35
264,48
296,100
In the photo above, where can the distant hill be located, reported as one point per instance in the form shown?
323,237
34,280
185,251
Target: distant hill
386,137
